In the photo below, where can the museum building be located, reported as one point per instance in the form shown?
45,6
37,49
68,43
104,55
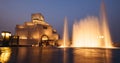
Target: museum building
36,31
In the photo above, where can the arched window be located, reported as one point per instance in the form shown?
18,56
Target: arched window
44,38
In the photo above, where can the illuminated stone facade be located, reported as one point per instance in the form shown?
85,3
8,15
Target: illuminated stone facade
35,31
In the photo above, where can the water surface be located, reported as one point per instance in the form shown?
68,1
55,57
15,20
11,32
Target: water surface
58,55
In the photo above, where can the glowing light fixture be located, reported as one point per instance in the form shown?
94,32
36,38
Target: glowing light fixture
6,34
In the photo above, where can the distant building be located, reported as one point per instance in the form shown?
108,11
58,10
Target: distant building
36,31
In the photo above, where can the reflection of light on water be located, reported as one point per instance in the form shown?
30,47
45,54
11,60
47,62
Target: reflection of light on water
5,53
108,56
64,55
92,56
22,54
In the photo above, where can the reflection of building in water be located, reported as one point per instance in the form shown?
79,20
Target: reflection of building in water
36,30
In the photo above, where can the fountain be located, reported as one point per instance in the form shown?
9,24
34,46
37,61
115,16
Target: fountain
86,33
89,33
105,28
65,34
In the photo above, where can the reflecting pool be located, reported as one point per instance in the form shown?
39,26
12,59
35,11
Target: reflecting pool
58,55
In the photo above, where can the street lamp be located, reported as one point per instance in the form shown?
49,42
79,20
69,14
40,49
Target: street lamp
6,35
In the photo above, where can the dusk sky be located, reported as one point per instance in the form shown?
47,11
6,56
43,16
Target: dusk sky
14,12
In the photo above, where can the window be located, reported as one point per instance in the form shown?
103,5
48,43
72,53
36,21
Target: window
44,27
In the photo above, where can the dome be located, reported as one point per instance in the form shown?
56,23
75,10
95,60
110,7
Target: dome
37,16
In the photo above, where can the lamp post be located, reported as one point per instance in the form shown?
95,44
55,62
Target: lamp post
6,37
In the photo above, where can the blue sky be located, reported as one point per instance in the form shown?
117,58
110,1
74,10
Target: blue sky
14,12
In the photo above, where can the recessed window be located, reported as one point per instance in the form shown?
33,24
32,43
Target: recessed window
44,27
